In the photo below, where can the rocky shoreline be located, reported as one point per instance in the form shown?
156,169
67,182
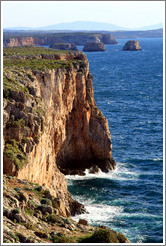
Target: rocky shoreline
32,215
52,127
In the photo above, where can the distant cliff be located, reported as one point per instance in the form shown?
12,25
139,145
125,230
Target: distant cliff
157,33
51,123
21,39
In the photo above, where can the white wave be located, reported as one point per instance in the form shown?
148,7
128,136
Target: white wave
122,172
157,159
99,213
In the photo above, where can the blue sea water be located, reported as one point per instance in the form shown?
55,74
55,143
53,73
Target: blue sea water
128,89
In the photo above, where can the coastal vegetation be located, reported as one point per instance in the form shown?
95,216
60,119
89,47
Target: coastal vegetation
31,217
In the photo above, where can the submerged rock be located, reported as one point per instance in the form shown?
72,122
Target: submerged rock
132,45
94,46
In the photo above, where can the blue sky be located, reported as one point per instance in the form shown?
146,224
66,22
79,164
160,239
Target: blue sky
130,14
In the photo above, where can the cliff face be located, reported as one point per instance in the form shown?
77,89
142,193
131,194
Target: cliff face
52,125
11,40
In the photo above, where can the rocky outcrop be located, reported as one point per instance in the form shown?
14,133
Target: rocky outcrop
12,39
94,46
25,41
132,45
51,123
32,215
64,47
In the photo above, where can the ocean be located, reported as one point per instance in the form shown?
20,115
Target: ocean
128,89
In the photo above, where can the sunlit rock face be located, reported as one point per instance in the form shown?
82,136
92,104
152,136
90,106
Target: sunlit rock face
53,127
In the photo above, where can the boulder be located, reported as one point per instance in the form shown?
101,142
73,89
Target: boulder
132,45
83,222
94,46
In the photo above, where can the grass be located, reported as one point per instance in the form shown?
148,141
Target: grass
12,83
38,64
29,211
27,51
14,154
11,234
40,110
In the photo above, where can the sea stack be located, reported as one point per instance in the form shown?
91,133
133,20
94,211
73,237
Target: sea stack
132,45
94,46
64,46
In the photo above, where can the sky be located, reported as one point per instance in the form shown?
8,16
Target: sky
130,14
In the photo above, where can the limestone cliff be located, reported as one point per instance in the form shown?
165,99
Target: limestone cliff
51,123
47,38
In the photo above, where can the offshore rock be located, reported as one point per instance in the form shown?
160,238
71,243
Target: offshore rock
94,46
132,45
65,46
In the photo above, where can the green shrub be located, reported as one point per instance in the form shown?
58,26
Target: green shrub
40,110
16,123
100,113
53,219
101,236
11,234
16,211
46,201
15,154
121,238
61,239
29,211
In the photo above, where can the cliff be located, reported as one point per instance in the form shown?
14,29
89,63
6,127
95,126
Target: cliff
47,38
51,123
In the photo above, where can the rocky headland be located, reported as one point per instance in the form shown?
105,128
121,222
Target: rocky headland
51,127
94,46
14,39
66,46
132,45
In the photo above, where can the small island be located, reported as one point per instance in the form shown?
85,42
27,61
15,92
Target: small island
94,46
132,45
64,46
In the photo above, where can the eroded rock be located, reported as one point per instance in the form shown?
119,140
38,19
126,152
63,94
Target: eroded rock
132,45
94,46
